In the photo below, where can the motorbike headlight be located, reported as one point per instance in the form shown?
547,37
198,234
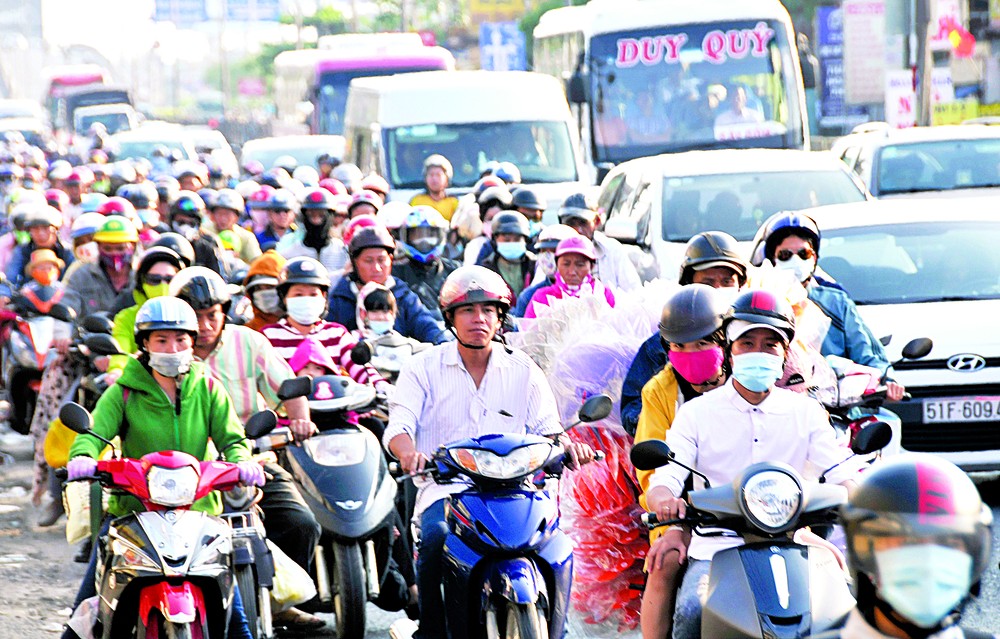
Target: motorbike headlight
772,500
129,555
341,449
517,463
172,486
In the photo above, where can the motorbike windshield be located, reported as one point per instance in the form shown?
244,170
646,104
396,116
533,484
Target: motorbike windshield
694,86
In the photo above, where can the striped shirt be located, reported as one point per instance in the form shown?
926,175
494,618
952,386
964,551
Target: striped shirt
250,369
337,340
437,402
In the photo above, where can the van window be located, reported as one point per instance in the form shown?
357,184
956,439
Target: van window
609,195
542,150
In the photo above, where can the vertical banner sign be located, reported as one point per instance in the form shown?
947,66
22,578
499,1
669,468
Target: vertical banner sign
864,51
501,47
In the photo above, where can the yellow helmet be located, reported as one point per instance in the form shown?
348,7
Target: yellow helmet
117,230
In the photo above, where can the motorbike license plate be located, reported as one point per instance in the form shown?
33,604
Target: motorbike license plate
962,409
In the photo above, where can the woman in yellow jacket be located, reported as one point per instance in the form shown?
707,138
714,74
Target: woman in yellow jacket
691,330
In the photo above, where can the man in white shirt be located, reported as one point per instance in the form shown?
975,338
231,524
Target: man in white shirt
469,387
614,267
746,421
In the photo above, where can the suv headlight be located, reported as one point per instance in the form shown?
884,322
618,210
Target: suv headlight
517,463
772,500
172,486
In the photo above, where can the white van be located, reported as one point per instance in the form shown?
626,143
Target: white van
471,118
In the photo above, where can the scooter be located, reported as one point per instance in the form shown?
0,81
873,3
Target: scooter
508,568
388,353
345,481
165,572
27,331
770,587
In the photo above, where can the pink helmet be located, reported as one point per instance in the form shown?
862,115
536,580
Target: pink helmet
577,244
333,186
366,197
360,222
375,183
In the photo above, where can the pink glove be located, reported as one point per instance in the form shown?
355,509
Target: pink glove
80,468
251,473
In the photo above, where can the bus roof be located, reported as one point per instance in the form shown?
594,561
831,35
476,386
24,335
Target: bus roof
75,74
453,97
369,40
393,58
611,16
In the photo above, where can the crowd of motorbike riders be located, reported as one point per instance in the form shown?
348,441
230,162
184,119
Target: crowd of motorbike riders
221,287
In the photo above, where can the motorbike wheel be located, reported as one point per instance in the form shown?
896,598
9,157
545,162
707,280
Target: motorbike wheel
525,621
350,592
248,595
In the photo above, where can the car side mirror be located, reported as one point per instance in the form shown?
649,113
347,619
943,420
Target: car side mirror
872,438
576,88
295,387
650,454
595,408
623,230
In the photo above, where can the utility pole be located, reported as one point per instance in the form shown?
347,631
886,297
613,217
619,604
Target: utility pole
925,61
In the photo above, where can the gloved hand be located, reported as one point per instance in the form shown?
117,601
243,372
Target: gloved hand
80,467
251,473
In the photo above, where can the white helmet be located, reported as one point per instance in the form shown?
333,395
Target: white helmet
307,175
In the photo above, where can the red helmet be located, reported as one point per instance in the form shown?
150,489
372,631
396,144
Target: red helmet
759,308
366,197
333,186
117,206
473,285
358,223
261,198
57,199
375,183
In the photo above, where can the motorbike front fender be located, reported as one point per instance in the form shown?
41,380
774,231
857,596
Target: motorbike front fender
517,580
178,603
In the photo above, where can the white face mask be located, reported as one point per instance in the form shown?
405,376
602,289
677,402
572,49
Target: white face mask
87,252
547,262
267,300
800,268
171,364
924,582
305,310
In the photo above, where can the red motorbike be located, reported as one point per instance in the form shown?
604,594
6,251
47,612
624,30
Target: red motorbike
166,572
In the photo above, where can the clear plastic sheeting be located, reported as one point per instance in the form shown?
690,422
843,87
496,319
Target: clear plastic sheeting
585,348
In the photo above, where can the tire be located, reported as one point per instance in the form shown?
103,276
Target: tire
177,630
349,591
248,595
525,621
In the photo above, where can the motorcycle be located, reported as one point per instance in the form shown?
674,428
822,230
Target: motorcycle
345,481
771,586
28,328
508,568
388,353
165,572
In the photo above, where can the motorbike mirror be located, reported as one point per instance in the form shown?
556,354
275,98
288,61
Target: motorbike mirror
872,438
295,387
595,408
76,418
97,323
62,313
103,344
917,348
262,423
361,353
650,454
885,339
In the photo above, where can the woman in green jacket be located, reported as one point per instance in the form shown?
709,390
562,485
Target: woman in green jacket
163,401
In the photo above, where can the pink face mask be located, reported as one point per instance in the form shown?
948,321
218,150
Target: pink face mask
697,367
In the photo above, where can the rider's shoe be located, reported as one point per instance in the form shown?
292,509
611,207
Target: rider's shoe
50,514
295,619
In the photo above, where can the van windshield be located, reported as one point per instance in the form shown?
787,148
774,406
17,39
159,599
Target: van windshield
543,151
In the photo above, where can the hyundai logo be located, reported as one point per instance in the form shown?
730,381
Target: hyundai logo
966,363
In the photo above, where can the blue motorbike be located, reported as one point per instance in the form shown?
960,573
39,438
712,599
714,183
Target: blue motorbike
508,569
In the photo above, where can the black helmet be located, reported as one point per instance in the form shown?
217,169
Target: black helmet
202,288
188,204
302,270
155,255
142,196
525,198
779,226
512,223
759,307
692,313
712,248
371,237
178,244
576,206
915,500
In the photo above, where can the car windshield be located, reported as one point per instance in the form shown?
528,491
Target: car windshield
938,166
738,202
146,148
542,151
304,155
915,262
113,122
333,93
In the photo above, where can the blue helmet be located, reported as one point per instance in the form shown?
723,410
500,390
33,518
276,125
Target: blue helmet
778,227
423,233
164,314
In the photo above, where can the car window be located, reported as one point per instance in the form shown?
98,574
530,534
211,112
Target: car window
850,156
915,262
737,203
642,209
609,194
939,166
623,202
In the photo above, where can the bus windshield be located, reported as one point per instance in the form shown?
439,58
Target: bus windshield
694,86
543,151
333,94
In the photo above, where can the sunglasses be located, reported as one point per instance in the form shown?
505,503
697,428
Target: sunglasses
804,253
155,280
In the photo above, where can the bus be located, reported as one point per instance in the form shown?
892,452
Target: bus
647,77
321,76
60,79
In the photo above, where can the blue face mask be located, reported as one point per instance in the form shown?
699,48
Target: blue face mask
757,372
380,327
924,583
511,251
